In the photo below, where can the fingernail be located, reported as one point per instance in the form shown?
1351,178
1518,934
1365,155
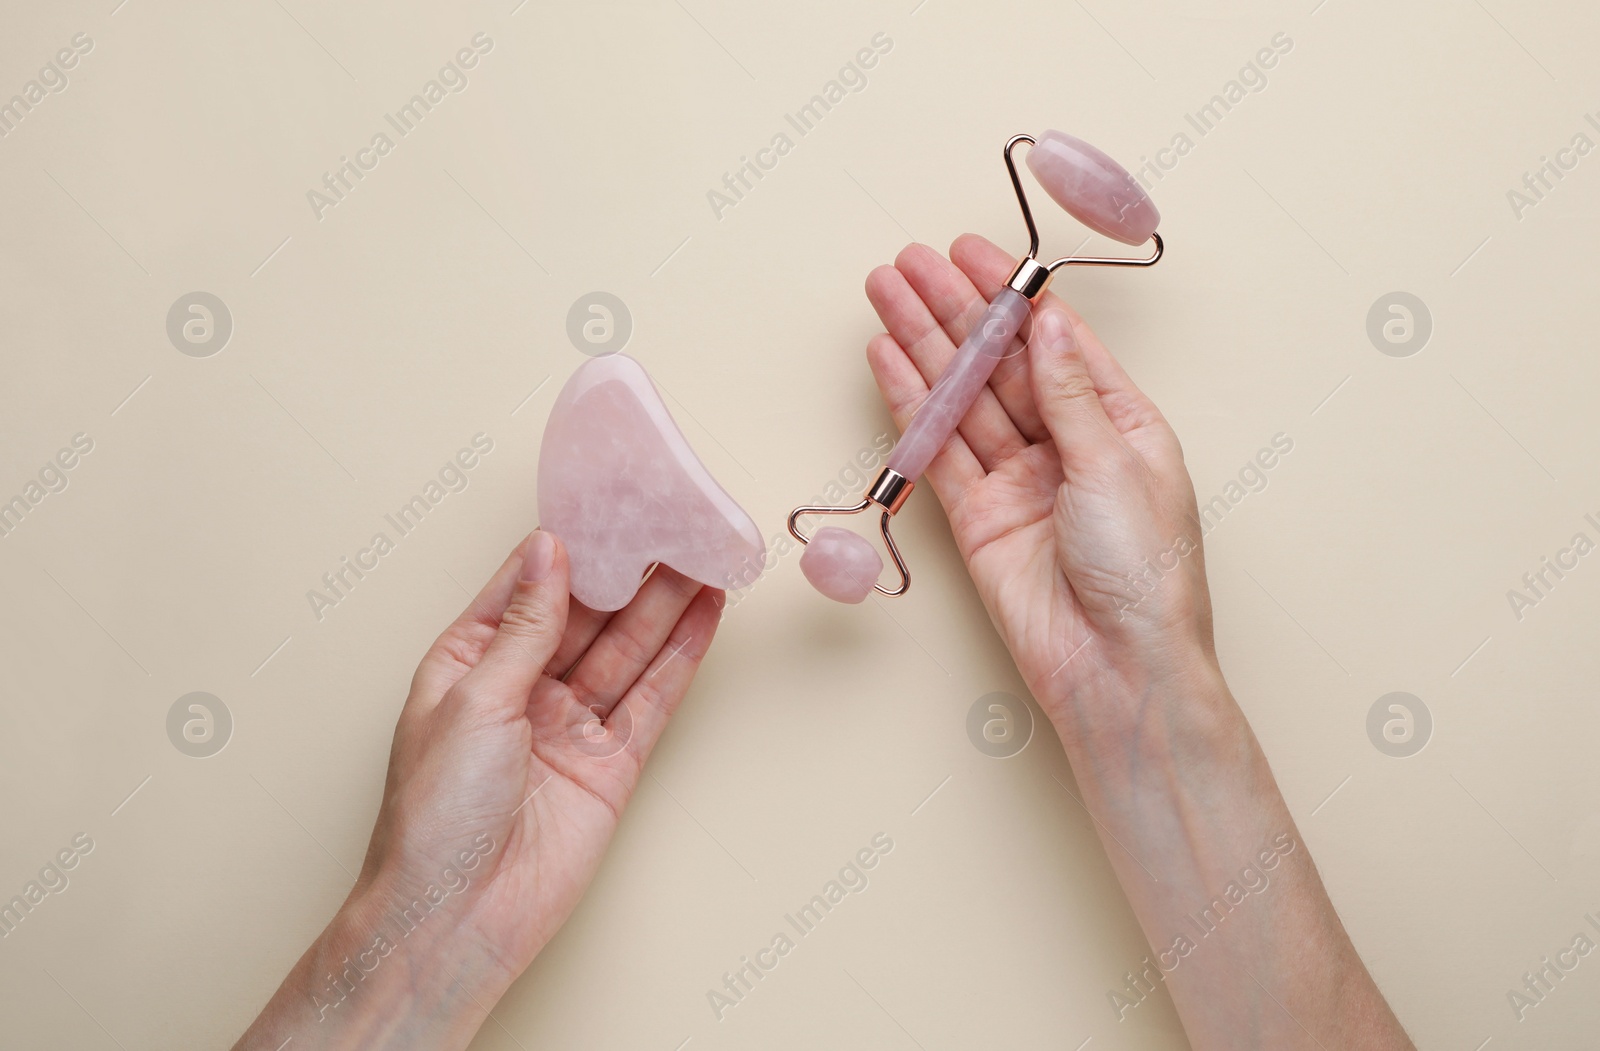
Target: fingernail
538,555
1055,331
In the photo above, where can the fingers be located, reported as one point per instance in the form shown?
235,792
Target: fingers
583,627
459,648
988,431
528,633
903,389
987,266
461,645
631,640
657,693
1068,403
952,298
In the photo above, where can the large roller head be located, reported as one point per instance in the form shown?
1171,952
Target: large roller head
1095,189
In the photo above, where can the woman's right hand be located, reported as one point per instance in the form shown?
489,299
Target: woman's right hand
1068,497
1065,487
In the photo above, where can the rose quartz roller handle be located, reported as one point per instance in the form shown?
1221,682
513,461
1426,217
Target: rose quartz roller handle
958,388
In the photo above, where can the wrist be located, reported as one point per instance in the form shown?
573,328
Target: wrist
426,927
393,969
1163,702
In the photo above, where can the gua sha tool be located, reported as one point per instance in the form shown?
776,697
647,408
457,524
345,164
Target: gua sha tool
1099,193
619,484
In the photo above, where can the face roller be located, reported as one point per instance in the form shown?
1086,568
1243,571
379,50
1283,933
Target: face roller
1099,193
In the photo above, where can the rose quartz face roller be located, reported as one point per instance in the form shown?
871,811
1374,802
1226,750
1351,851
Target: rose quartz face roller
1099,193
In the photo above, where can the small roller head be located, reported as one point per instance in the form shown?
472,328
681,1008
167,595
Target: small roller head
842,565
1095,189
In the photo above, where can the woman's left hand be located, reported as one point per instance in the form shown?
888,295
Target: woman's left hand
525,732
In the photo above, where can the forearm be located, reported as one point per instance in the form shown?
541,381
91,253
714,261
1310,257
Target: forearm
369,982
1241,929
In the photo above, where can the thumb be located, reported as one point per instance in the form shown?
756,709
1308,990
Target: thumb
1068,402
530,628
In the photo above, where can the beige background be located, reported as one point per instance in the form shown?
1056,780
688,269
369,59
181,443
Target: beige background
370,345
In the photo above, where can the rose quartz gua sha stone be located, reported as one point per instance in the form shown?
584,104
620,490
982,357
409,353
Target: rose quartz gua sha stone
1099,193
619,484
